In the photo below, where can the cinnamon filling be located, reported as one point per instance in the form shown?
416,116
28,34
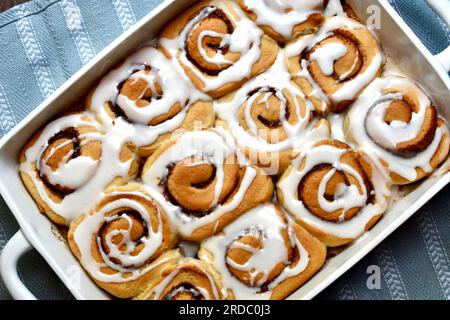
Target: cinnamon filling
122,221
216,21
272,124
402,111
138,90
190,184
239,252
308,188
142,93
266,107
346,67
337,61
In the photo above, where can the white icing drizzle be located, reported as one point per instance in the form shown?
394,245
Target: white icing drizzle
367,126
174,84
244,40
132,265
351,87
159,289
218,58
334,8
327,55
337,126
89,190
277,77
214,147
84,166
347,196
283,15
261,221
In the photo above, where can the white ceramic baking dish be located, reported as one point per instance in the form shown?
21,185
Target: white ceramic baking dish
401,45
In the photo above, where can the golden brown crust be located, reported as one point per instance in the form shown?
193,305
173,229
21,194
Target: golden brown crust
317,254
189,279
309,185
438,158
402,110
199,115
68,140
187,179
268,47
237,254
159,259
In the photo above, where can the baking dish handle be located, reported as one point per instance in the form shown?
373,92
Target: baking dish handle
16,247
442,8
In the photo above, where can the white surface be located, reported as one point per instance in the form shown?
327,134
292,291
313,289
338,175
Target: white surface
400,44
14,249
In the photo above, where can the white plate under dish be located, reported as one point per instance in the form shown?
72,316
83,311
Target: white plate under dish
400,44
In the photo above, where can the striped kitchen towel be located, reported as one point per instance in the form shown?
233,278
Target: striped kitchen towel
44,42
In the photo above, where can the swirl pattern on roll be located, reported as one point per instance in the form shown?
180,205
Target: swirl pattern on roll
189,279
241,255
64,165
218,46
335,64
146,98
205,183
270,118
285,19
395,123
123,239
335,193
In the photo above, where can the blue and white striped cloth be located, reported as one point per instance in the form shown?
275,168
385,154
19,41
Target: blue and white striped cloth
44,42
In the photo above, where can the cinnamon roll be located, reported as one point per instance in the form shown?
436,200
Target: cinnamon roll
270,118
263,255
335,64
204,182
189,279
334,192
146,98
218,47
123,241
283,19
63,166
395,123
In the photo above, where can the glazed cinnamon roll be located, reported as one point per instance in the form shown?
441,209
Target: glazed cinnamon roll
204,182
270,118
283,19
123,241
334,192
189,279
218,47
63,166
395,123
263,255
146,98
335,64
